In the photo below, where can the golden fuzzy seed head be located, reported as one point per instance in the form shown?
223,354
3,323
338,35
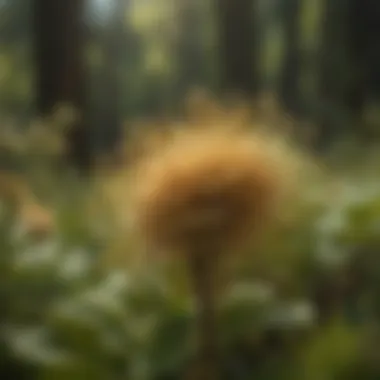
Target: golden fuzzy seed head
208,189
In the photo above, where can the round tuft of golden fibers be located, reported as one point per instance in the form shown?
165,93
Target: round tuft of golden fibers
209,190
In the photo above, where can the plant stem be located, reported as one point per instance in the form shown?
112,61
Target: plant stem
203,272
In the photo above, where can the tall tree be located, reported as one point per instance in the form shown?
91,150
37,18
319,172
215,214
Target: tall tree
289,78
350,60
358,40
189,52
59,39
334,72
235,21
107,113
364,51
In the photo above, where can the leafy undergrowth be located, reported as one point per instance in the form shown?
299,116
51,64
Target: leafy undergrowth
305,307
81,304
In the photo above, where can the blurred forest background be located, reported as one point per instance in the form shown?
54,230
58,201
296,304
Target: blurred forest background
310,310
115,60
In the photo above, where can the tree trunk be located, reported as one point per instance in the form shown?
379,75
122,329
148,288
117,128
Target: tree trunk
334,73
358,48
289,80
59,39
237,46
107,115
188,49
363,35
